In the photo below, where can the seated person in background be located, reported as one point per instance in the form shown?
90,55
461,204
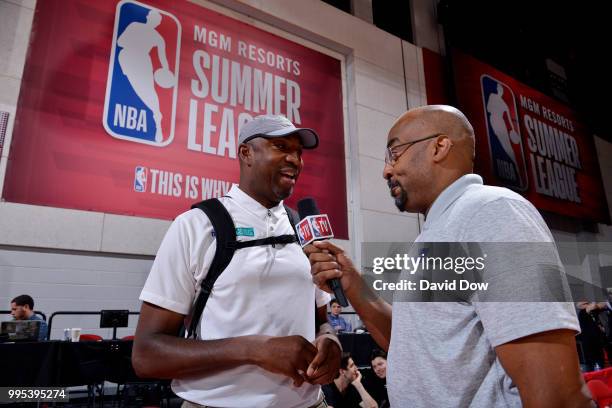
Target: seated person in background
334,318
22,308
376,383
347,391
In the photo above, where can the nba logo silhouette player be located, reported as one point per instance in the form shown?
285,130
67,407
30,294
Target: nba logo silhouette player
505,143
142,84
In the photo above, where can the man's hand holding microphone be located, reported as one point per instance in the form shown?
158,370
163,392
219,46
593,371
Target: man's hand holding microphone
328,262
334,272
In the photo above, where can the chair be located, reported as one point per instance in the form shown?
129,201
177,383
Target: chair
90,337
127,338
600,392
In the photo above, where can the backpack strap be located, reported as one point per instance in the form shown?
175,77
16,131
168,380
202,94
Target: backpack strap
278,240
227,244
225,233
294,218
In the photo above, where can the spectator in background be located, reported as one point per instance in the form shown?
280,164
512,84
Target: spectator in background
337,321
22,308
347,391
592,335
376,383
605,319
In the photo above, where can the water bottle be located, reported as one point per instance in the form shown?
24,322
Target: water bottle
596,367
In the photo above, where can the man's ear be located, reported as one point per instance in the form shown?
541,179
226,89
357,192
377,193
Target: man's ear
245,154
442,147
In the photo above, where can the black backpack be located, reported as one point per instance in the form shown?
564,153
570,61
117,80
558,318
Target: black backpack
227,244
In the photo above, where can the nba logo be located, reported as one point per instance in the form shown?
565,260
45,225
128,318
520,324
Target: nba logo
316,232
321,227
505,142
140,179
142,84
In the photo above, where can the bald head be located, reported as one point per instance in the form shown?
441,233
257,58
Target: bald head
443,119
430,147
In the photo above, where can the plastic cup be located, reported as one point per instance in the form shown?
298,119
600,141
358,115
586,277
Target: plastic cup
75,334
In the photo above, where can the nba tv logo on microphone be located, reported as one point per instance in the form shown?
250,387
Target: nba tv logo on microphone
314,227
504,133
142,84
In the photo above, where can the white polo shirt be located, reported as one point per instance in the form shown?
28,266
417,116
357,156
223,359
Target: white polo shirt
264,290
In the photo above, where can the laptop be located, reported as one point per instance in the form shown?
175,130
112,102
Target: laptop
20,330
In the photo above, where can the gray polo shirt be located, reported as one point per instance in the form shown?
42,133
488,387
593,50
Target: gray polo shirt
442,353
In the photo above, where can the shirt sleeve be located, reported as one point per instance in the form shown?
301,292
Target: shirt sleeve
322,298
42,334
171,283
528,291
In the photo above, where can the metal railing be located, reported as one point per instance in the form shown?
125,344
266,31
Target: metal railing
73,313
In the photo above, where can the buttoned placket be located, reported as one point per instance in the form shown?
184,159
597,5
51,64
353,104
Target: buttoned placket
270,249
270,226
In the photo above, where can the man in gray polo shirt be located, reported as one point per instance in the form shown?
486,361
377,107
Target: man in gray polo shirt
465,353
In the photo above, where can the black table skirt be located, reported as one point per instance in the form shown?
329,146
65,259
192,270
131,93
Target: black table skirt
61,363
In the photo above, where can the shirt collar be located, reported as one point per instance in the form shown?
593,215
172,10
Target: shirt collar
250,204
449,195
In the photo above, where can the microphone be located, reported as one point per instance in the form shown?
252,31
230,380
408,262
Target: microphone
315,226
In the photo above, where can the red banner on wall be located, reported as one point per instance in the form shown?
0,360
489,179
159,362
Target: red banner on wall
134,108
529,142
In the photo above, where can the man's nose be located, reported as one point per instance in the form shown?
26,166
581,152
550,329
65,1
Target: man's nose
294,158
387,171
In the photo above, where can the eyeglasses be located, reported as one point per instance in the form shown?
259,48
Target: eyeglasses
392,155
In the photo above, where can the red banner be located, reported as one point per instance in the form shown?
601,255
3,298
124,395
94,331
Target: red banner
134,108
530,142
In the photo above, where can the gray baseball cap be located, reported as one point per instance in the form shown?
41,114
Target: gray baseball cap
269,126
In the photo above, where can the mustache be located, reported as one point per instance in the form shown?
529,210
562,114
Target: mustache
392,184
290,169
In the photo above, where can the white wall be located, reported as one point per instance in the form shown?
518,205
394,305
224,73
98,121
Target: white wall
64,257
73,281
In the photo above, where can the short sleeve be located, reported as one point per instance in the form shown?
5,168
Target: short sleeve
528,290
507,321
171,283
322,298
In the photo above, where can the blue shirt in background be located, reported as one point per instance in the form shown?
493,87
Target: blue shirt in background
42,334
339,323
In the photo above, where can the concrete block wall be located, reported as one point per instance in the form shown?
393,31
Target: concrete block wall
60,281
15,25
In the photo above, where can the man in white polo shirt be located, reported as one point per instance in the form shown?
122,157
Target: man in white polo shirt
471,352
248,351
